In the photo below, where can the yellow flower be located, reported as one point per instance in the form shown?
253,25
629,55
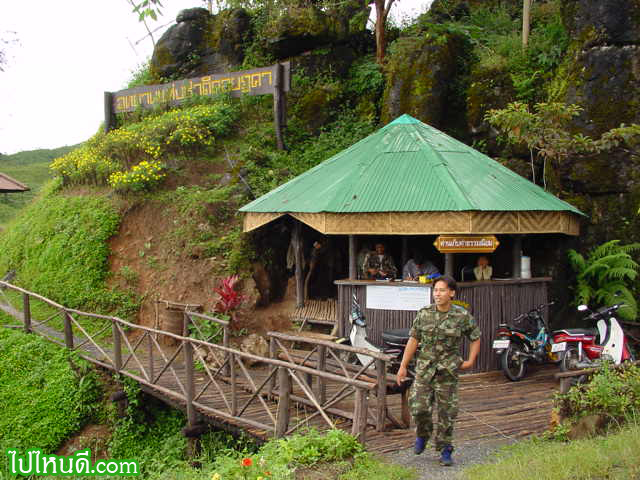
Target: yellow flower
216,476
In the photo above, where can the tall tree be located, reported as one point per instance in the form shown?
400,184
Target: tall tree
383,7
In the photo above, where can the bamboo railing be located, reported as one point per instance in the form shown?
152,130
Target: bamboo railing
134,351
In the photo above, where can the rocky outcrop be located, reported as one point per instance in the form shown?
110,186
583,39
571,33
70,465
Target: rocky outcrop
603,71
419,74
201,43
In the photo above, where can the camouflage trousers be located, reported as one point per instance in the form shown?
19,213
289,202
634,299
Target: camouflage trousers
441,388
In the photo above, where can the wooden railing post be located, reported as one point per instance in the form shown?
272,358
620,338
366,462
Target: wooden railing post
226,371
359,427
284,400
272,354
117,346
190,387
151,366
322,366
68,330
26,313
234,386
381,400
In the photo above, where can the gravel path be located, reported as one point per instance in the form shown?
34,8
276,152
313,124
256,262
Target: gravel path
465,454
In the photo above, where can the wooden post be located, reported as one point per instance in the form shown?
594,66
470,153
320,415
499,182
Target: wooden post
406,416
26,313
322,366
282,419
108,112
448,264
272,354
117,347
151,366
68,330
297,246
190,387
381,405
278,104
234,386
353,269
405,252
359,426
225,343
517,256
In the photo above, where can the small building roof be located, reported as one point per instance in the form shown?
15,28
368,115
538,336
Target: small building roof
404,168
9,185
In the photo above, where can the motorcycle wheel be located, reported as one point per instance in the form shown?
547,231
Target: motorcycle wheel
569,359
514,365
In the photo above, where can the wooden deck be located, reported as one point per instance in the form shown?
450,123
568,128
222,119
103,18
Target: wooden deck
322,312
239,397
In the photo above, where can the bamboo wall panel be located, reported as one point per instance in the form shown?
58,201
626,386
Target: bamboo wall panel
491,303
490,222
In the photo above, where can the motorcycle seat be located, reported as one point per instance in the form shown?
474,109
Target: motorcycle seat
396,336
576,331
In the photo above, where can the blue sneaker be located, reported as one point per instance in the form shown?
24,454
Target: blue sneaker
445,457
419,446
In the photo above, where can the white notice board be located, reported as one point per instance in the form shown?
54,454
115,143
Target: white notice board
383,297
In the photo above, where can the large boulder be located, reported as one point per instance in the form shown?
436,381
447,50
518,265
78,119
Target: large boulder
419,77
604,81
603,22
201,43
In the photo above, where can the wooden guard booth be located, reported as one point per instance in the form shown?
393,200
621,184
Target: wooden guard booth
410,182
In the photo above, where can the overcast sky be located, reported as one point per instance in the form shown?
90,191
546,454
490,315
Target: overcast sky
68,53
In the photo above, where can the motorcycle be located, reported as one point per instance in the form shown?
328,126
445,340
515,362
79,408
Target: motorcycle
588,347
517,346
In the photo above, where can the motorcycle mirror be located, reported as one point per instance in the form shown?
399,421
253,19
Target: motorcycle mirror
582,308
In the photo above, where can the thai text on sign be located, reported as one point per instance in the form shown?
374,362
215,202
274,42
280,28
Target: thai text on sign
259,81
466,244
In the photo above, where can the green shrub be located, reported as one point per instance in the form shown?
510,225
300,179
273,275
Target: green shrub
43,400
605,277
614,393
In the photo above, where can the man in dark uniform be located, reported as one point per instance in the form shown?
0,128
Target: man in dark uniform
379,264
436,334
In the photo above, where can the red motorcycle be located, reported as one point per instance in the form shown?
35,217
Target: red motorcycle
588,347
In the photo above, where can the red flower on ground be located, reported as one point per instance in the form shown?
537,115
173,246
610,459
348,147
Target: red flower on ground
247,462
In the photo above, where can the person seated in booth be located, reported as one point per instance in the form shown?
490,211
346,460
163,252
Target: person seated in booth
363,256
483,271
416,266
379,265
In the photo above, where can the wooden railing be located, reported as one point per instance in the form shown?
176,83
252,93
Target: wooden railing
225,391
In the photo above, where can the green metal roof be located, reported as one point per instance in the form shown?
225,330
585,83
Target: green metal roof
408,166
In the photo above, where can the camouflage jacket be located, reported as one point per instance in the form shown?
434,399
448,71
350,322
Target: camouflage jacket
439,338
386,264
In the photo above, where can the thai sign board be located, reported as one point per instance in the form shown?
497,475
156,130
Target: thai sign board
258,81
466,243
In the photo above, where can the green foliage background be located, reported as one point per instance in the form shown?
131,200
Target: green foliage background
43,400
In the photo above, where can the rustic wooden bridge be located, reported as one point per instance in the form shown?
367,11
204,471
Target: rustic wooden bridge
303,382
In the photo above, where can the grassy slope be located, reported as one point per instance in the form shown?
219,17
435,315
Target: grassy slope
616,456
30,168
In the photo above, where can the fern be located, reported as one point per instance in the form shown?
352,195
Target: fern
606,275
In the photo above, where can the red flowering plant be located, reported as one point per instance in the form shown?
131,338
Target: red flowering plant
229,299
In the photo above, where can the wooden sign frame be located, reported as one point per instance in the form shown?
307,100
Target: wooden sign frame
466,243
272,80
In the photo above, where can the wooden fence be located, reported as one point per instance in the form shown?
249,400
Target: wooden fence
227,390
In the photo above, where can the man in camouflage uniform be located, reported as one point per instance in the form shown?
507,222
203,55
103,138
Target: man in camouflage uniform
379,264
436,335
